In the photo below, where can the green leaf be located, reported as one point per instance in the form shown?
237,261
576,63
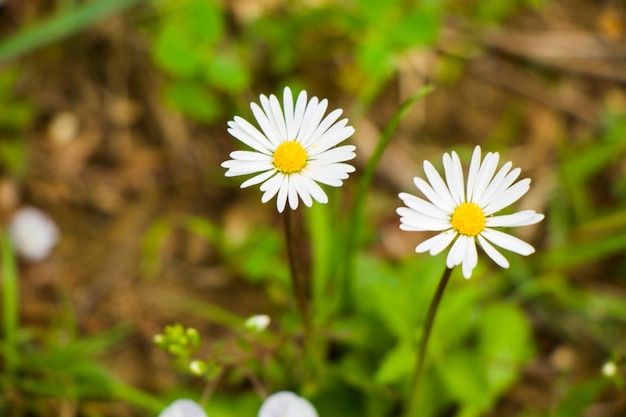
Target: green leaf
173,51
203,19
398,364
463,374
577,399
227,72
193,99
505,343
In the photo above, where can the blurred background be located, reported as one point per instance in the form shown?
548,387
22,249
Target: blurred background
113,122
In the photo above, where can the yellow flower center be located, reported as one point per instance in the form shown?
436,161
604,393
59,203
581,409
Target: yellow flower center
468,219
290,157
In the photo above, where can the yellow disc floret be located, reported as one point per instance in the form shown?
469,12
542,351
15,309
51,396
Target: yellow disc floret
468,219
290,157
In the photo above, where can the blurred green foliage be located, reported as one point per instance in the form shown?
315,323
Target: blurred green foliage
369,323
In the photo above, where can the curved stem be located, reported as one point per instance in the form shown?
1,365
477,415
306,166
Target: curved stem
297,280
428,325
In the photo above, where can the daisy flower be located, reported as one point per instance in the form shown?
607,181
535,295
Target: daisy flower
466,215
286,404
294,150
183,408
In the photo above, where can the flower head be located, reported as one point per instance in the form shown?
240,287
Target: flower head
33,233
257,323
294,150
183,408
286,404
466,214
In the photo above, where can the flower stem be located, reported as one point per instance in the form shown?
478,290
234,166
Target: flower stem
298,281
428,325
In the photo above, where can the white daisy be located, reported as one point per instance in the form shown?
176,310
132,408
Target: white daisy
183,408
467,214
286,404
294,151
33,233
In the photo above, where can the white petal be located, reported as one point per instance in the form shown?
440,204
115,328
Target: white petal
245,132
485,175
424,207
325,124
494,185
283,191
457,252
454,177
521,218
257,179
329,174
473,172
340,154
271,187
492,252
508,242
470,260
292,195
298,115
437,243
314,189
278,117
430,194
508,197
264,122
236,168
305,196
332,137
250,156
412,220
438,185
306,137
288,113
309,119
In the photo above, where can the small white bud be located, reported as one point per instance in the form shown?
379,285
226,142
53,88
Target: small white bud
197,367
286,403
186,408
609,369
258,323
33,233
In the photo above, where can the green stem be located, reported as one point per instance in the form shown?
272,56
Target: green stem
298,281
368,176
428,325
10,295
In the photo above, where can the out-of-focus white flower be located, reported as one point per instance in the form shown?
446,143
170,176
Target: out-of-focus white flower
258,323
465,214
296,150
609,369
33,233
183,408
286,404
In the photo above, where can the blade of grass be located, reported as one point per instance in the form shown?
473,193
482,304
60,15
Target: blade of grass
60,26
366,179
10,297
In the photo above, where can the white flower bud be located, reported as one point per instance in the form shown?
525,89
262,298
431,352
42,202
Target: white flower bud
33,233
287,404
183,408
609,369
258,323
